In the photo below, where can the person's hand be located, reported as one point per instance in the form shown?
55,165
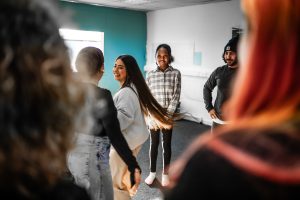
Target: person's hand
137,181
212,113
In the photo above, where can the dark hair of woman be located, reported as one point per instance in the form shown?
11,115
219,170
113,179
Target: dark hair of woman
148,103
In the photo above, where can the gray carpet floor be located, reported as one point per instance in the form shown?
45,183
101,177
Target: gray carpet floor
183,134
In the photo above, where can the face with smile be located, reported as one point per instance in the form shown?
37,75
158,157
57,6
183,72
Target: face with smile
119,71
162,58
230,58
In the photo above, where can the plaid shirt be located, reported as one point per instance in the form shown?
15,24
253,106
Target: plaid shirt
165,87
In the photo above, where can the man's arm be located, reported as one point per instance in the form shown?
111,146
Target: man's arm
207,92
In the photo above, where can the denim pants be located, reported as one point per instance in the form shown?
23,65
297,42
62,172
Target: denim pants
89,164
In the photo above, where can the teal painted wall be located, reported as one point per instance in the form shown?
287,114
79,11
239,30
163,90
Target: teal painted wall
125,32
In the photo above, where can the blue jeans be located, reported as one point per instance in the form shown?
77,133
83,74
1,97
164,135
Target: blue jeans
89,164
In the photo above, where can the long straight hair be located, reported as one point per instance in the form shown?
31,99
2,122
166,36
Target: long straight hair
267,89
149,105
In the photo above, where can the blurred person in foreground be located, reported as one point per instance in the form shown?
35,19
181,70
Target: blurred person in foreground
258,155
39,103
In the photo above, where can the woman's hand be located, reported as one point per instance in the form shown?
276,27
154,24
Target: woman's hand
137,181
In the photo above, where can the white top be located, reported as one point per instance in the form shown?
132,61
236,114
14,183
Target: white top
131,118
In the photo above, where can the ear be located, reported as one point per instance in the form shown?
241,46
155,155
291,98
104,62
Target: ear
102,68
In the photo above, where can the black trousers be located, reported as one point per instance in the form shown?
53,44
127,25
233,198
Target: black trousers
166,147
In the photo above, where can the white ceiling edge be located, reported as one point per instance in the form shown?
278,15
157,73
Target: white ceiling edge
150,5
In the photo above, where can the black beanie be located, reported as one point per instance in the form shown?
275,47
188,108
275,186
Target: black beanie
232,45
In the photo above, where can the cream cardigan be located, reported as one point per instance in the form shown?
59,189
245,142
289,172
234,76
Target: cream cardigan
131,118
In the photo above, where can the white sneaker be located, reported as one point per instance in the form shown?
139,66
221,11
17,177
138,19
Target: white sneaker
149,180
165,180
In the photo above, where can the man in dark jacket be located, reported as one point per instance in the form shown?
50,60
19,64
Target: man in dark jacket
222,78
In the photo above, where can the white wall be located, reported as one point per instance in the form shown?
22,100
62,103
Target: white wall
204,29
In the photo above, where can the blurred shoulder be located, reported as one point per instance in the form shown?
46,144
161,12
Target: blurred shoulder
66,190
69,191
125,92
104,91
152,72
221,68
175,70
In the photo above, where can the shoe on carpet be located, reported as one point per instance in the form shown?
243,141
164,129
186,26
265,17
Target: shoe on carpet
149,180
165,180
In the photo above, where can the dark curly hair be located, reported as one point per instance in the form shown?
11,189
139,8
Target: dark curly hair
39,99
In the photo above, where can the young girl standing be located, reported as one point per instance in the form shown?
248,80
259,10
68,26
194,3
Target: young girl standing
165,85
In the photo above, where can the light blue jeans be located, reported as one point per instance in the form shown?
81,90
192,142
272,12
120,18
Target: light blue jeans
89,164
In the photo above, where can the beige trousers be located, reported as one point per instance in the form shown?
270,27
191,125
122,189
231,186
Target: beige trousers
120,175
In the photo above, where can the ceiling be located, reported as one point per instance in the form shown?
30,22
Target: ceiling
145,5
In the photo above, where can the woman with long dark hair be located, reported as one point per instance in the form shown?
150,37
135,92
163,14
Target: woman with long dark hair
133,101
